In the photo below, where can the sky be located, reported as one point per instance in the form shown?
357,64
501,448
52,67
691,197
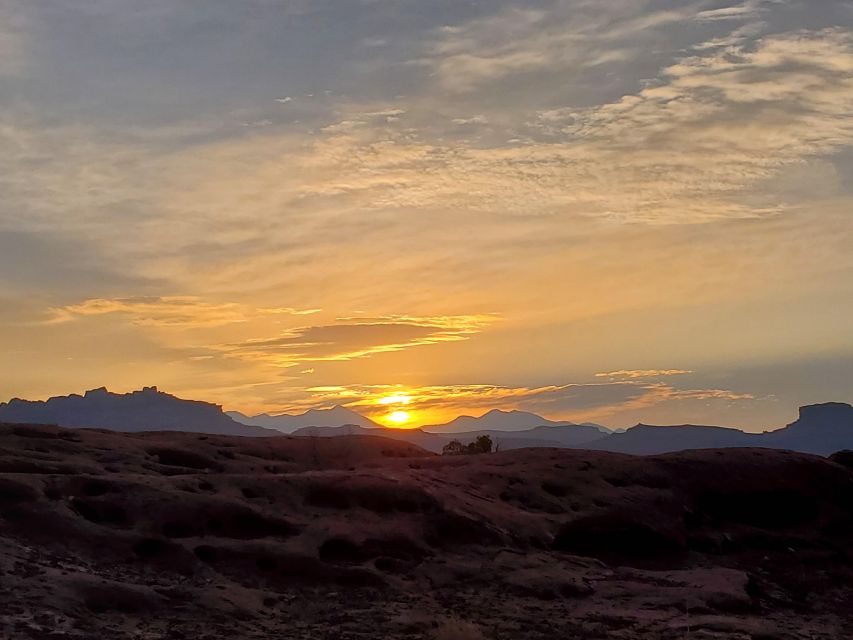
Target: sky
617,211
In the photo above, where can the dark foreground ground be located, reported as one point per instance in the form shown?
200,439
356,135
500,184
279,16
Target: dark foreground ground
104,535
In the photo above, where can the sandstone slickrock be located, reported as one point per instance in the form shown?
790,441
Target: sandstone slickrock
177,535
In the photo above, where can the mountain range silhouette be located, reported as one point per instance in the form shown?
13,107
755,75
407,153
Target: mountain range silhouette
498,420
146,410
287,423
820,429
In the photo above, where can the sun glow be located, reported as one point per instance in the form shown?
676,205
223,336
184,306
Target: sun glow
398,399
398,417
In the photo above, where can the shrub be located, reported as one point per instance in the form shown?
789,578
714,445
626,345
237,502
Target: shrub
483,444
453,448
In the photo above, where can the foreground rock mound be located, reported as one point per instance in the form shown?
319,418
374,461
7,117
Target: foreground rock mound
172,535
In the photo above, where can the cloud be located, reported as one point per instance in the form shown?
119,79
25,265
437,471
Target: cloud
564,36
748,9
169,311
736,38
698,144
694,146
479,119
576,402
13,37
61,265
519,166
68,179
643,373
353,338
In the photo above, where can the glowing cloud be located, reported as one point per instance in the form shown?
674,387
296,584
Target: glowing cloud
169,311
643,373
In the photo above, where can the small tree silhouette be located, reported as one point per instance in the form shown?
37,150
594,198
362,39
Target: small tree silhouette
483,444
453,448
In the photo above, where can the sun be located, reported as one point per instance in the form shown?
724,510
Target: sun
398,417
397,408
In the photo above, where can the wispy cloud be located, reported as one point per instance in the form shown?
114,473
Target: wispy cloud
353,338
566,35
170,311
643,373
691,147
748,9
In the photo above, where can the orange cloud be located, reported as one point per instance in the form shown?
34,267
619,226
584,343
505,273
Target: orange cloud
643,373
169,311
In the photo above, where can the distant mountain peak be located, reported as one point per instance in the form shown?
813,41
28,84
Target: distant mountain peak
338,408
510,412
336,416
103,392
500,420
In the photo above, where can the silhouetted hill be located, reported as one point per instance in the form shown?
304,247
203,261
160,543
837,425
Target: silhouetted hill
821,429
497,420
428,441
326,423
650,440
288,423
540,437
145,410
569,436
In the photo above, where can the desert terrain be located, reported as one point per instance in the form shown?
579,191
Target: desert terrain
180,535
